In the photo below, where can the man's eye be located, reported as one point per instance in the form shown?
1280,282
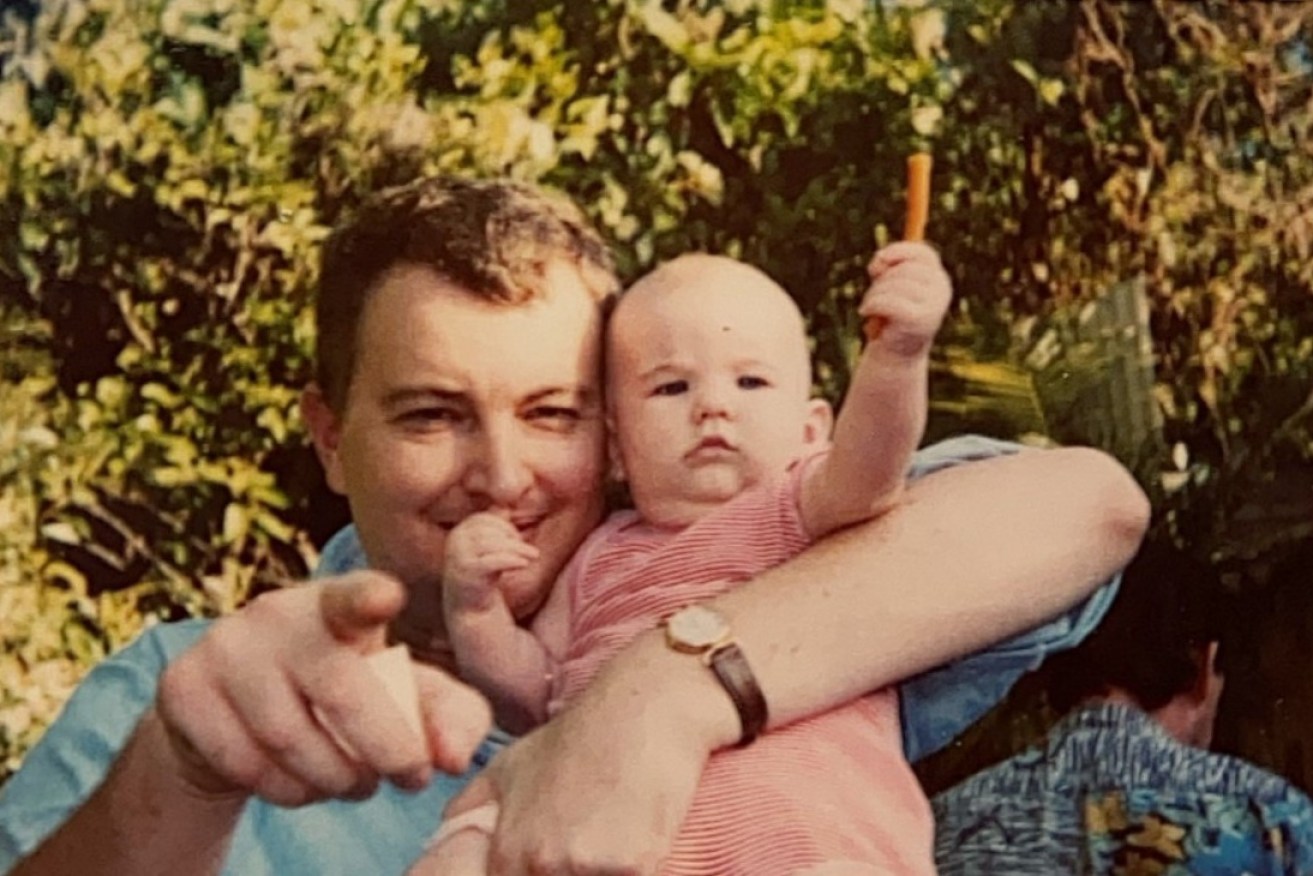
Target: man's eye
672,387
432,416
555,412
752,381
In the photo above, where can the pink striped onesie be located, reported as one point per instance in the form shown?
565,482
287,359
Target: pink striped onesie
835,787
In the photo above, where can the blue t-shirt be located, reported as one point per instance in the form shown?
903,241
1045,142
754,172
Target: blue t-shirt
386,833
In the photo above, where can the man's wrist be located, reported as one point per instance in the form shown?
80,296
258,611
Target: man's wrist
658,682
176,758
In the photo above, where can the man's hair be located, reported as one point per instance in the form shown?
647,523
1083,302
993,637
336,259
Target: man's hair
492,238
1153,642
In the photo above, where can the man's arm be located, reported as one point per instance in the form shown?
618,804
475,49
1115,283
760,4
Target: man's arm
143,797
974,554
237,715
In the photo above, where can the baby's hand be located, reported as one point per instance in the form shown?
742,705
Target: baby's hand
908,297
479,549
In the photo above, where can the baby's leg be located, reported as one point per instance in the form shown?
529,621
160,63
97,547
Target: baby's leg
460,846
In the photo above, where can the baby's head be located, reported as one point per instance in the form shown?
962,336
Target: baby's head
708,386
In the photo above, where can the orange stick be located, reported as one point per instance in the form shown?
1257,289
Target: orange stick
918,195
918,211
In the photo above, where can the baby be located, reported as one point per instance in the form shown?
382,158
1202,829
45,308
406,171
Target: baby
732,471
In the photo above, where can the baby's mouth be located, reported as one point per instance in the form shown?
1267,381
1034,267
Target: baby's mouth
711,446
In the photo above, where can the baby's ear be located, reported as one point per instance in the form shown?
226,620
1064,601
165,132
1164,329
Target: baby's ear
818,425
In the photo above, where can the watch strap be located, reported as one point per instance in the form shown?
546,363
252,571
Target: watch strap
731,668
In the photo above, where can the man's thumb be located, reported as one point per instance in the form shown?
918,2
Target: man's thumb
358,606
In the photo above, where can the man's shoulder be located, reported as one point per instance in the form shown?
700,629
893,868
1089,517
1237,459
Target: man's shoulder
341,554
1018,778
1228,775
1145,758
74,754
1119,748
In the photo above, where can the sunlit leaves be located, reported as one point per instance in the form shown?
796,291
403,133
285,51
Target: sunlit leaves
168,169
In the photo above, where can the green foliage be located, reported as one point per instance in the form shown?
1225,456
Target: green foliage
169,167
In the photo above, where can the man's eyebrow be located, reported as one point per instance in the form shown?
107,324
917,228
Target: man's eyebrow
410,394
582,392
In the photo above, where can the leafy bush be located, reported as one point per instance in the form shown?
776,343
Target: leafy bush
169,167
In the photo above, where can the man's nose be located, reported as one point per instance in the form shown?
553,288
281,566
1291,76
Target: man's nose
499,470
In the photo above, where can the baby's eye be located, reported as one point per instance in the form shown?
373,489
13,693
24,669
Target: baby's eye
752,381
671,387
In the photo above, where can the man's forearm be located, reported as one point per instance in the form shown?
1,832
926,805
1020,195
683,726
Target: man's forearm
143,820
974,554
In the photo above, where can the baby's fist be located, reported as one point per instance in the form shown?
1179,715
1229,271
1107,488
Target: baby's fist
479,549
909,294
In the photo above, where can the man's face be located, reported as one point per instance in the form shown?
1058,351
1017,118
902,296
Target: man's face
460,405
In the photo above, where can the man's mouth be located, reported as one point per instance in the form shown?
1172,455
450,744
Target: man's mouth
526,526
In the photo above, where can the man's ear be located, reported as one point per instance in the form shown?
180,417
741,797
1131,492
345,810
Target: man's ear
1203,698
818,425
326,432
1207,677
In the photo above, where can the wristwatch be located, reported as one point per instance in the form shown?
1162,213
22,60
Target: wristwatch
705,632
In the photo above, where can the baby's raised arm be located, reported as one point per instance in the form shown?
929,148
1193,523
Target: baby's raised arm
509,664
884,412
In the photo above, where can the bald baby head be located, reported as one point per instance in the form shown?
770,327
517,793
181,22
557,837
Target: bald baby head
717,296
709,385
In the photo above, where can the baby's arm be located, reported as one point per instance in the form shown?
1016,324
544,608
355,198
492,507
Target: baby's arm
505,661
461,846
884,413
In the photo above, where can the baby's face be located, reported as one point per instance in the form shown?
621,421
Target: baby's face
709,388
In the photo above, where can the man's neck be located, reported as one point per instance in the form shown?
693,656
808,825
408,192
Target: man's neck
1178,718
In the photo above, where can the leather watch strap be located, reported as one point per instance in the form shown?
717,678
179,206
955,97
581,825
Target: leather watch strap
731,668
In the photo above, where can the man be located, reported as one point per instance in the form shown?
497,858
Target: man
459,371
1124,783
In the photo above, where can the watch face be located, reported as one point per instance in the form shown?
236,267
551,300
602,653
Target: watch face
697,627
